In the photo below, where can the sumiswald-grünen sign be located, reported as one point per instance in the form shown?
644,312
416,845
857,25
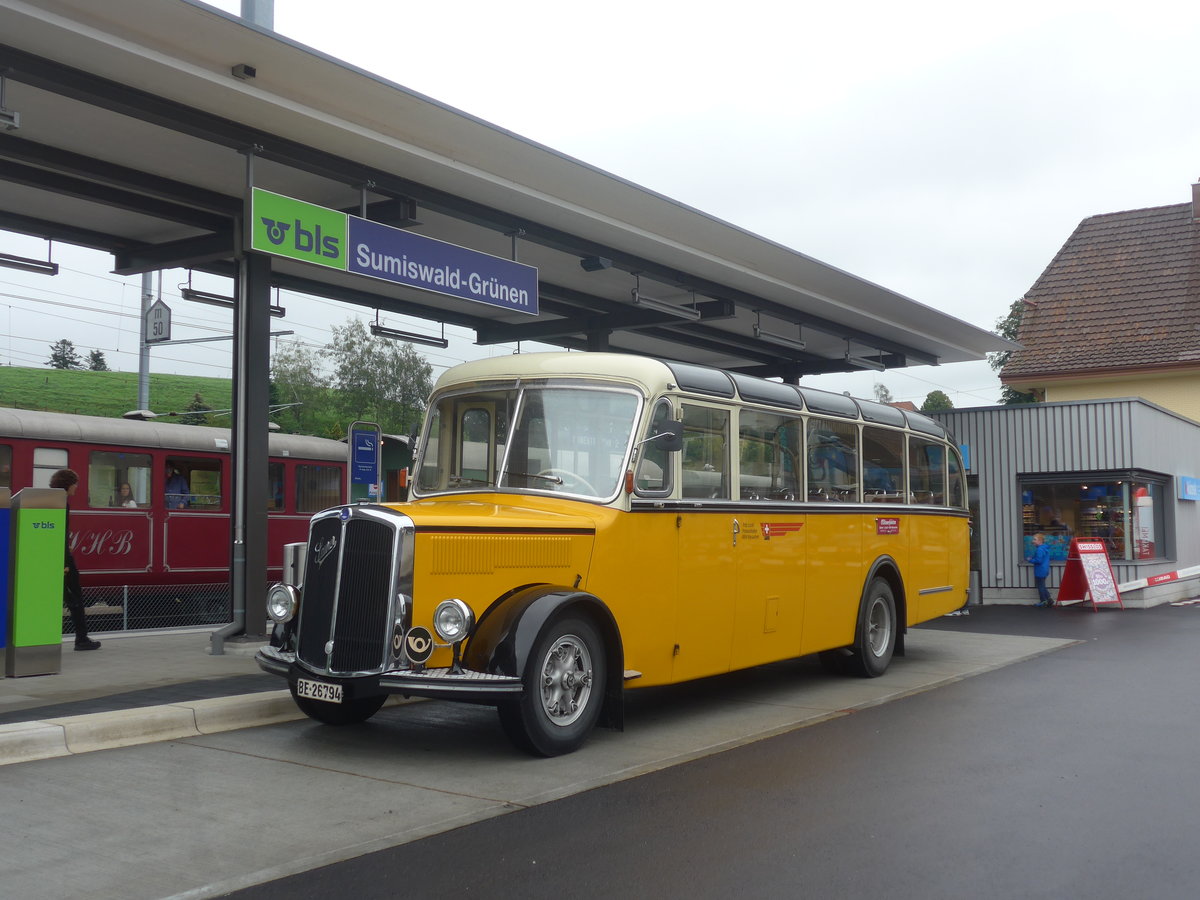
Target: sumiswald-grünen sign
284,226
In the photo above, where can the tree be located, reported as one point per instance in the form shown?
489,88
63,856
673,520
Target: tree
296,379
64,356
196,409
96,361
1008,327
882,394
378,380
935,401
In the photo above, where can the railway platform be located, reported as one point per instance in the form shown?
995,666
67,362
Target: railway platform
138,687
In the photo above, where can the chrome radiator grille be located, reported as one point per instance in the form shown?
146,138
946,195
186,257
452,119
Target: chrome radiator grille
348,588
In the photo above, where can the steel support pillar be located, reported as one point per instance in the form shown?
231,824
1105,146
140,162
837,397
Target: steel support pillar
251,405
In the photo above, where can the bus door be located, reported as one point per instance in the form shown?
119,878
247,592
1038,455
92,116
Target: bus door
705,536
932,537
770,534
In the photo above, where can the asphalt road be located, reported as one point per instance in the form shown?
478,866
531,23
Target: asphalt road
1069,775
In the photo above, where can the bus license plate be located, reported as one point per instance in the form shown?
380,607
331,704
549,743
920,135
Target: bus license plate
319,690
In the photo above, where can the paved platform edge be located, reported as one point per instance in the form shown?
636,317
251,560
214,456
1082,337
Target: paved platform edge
70,735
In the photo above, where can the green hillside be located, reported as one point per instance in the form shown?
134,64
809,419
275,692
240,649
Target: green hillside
105,393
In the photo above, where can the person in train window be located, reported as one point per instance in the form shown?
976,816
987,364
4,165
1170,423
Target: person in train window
177,492
125,496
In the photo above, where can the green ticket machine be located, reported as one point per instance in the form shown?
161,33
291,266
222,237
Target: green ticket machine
38,539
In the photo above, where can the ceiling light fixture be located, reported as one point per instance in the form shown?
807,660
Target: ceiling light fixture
211,299
41,266
682,312
781,340
381,331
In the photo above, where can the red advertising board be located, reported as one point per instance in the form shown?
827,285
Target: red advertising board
1088,576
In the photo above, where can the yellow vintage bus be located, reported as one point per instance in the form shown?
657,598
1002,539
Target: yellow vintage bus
582,524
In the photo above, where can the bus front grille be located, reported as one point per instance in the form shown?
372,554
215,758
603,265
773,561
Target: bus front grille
346,597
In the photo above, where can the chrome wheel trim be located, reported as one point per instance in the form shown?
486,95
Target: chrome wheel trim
879,627
566,680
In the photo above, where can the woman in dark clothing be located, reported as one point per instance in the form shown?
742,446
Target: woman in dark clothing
72,590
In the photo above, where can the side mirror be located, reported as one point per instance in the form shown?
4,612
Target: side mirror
669,436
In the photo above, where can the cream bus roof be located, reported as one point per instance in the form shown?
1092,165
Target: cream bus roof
654,376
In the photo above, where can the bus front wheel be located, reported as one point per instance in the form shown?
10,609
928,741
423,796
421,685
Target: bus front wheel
563,690
875,636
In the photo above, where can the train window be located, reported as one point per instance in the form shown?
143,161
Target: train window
192,483
5,466
274,486
119,479
317,487
47,461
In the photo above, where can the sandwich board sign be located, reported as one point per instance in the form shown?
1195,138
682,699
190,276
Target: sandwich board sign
1088,576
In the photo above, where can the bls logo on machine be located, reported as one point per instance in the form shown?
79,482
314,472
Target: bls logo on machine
418,645
304,240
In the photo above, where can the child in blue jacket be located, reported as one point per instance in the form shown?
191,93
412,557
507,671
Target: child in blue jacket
1041,568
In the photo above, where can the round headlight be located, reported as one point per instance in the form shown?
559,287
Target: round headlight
452,620
282,601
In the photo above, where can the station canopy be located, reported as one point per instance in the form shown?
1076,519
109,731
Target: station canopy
139,124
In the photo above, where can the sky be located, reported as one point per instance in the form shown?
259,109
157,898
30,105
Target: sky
943,150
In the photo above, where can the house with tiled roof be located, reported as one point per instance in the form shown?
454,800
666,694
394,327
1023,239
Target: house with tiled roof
1116,313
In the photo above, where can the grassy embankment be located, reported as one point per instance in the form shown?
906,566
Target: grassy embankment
107,393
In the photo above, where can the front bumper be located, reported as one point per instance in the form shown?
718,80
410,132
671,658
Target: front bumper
467,685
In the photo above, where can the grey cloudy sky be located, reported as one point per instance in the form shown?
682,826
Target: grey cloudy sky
941,149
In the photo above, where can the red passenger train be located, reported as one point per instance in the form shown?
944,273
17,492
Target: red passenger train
150,520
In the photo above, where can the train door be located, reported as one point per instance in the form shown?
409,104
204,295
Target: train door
196,524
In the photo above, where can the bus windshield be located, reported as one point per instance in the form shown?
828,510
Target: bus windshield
568,440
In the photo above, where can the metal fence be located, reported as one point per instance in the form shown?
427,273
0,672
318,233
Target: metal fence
126,608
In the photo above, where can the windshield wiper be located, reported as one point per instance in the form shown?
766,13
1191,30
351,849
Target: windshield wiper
455,478
551,478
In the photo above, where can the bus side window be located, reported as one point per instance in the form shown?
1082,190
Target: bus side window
5,466
883,465
654,464
705,452
832,460
767,447
927,472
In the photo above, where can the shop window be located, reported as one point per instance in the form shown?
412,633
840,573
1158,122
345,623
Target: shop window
192,483
119,480
883,465
317,487
1125,511
705,452
768,448
832,460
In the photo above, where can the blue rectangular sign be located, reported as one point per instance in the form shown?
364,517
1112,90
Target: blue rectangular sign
364,459
399,256
1189,488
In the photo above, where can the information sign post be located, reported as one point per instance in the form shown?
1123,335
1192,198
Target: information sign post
363,474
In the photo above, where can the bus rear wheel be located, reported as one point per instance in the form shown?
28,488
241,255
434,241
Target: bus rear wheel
348,712
875,636
563,690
